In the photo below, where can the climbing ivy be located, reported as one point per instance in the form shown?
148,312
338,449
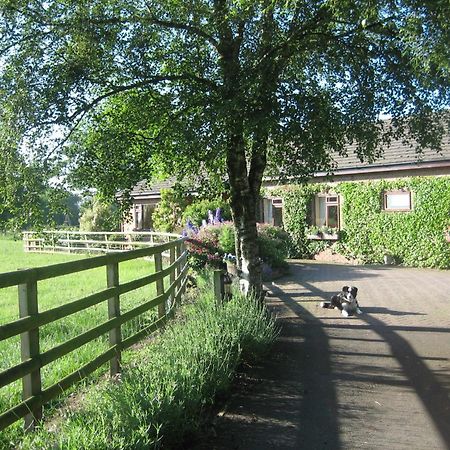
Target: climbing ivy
413,238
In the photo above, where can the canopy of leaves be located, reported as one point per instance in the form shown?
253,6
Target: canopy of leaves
27,199
166,86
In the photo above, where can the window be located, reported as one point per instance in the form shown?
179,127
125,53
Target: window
277,211
272,211
143,216
397,201
327,211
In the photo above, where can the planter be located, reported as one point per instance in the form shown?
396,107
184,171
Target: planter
314,237
322,237
330,237
388,260
232,269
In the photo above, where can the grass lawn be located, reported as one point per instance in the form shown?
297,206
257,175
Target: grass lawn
58,291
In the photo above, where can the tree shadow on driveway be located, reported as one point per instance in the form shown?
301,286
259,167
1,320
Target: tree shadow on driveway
282,403
334,383
432,392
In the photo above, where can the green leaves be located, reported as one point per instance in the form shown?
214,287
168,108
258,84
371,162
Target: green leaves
414,238
189,88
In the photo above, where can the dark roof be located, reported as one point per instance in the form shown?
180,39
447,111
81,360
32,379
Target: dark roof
398,153
397,156
147,188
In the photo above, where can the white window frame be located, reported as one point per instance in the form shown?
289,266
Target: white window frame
403,193
331,199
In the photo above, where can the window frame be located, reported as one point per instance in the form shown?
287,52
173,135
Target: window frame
397,192
328,203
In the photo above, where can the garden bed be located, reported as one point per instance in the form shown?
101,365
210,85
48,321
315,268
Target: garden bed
162,396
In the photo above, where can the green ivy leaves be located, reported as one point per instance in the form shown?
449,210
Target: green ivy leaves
413,238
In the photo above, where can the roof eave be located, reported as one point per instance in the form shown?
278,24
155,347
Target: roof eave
385,168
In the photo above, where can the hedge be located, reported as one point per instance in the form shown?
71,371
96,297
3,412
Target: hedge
414,238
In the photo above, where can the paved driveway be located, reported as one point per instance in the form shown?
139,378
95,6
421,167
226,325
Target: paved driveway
376,381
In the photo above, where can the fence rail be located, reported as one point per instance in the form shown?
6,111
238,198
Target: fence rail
91,242
30,321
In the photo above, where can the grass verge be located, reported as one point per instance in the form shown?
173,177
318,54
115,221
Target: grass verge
55,292
162,395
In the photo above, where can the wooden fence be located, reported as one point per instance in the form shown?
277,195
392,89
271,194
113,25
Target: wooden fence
29,370
91,242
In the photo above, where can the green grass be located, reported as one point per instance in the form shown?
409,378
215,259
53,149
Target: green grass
162,396
56,292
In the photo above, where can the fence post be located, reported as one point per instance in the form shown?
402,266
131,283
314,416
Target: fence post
160,284
177,273
29,348
115,335
172,275
218,286
183,264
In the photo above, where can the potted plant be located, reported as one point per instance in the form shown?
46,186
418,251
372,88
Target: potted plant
313,232
330,233
388,258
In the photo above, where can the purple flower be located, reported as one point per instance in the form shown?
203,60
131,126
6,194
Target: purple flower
190,227
210,217
218,216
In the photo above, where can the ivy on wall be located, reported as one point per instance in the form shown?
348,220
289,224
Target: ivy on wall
414,238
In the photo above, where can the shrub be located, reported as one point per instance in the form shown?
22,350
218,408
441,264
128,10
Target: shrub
227,238
166,216
162,395
198,211
277,235
271,251
99,215
203,248
208,246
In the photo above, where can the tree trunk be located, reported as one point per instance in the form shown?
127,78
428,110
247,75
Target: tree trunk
243,206
251,268
243,194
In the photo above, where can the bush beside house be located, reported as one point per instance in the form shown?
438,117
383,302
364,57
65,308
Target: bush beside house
198,211
174,210
368,232
211,243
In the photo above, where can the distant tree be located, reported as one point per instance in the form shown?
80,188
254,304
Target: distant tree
99,215
224,90
69,212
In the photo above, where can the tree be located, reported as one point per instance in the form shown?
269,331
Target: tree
28,198
224,89
99,215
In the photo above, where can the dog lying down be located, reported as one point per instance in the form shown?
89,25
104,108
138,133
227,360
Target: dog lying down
345,301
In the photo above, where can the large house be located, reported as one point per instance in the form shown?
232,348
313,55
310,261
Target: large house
397,206
398,161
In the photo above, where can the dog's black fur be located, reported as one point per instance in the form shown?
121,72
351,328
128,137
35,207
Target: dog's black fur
344,301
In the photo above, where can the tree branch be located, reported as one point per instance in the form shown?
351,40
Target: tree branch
151,81
183,26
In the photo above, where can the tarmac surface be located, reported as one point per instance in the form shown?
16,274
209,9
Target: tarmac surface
380,380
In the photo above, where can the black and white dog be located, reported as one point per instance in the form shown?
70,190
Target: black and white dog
345,301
